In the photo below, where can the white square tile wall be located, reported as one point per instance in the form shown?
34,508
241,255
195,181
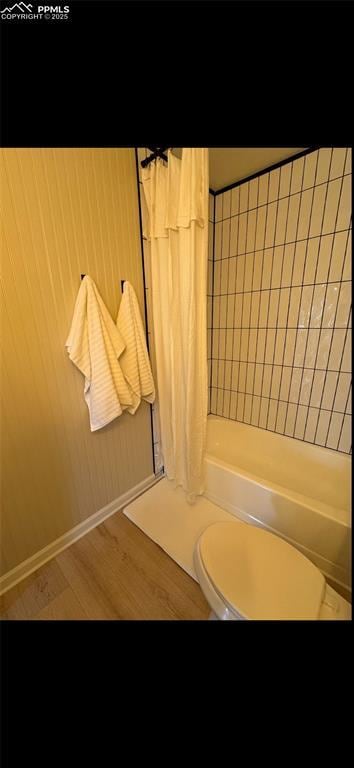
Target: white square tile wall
227,203
279,300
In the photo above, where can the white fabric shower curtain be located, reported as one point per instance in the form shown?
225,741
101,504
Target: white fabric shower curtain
176,198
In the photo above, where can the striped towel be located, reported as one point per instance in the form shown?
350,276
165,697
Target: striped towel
94,345
135,358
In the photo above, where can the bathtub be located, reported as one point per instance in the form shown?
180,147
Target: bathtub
299,491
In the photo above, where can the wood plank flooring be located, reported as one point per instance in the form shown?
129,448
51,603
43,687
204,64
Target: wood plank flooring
114,572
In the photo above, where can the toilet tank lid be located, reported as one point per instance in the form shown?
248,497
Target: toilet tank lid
258,574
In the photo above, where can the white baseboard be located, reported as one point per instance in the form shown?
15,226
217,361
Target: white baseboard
34,562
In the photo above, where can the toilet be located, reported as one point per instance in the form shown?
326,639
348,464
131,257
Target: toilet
246,572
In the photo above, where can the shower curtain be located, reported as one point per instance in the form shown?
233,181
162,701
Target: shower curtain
177,226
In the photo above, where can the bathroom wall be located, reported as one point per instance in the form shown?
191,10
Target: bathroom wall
281,309
64,212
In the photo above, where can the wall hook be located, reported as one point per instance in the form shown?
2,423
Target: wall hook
121,282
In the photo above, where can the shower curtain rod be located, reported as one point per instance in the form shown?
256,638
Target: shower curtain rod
156,152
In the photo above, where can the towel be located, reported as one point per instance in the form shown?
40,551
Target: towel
94,345
135,358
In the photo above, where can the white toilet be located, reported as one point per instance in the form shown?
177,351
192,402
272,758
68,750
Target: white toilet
246,572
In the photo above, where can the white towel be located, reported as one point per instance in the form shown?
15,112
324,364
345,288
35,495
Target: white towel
94,345
135,358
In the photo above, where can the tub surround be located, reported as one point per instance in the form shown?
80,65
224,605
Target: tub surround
210,288
280,317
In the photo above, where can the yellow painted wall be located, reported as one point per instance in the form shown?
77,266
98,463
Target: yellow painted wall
63,212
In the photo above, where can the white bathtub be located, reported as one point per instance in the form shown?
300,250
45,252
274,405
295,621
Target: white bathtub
299,491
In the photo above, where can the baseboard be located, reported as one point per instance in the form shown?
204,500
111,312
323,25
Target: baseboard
21,571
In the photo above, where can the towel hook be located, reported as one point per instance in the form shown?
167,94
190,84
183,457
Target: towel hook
121,282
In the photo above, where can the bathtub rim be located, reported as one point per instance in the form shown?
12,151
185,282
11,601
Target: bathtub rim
306,501
343,454
344,515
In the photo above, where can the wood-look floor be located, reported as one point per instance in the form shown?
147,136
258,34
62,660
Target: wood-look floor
114,572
